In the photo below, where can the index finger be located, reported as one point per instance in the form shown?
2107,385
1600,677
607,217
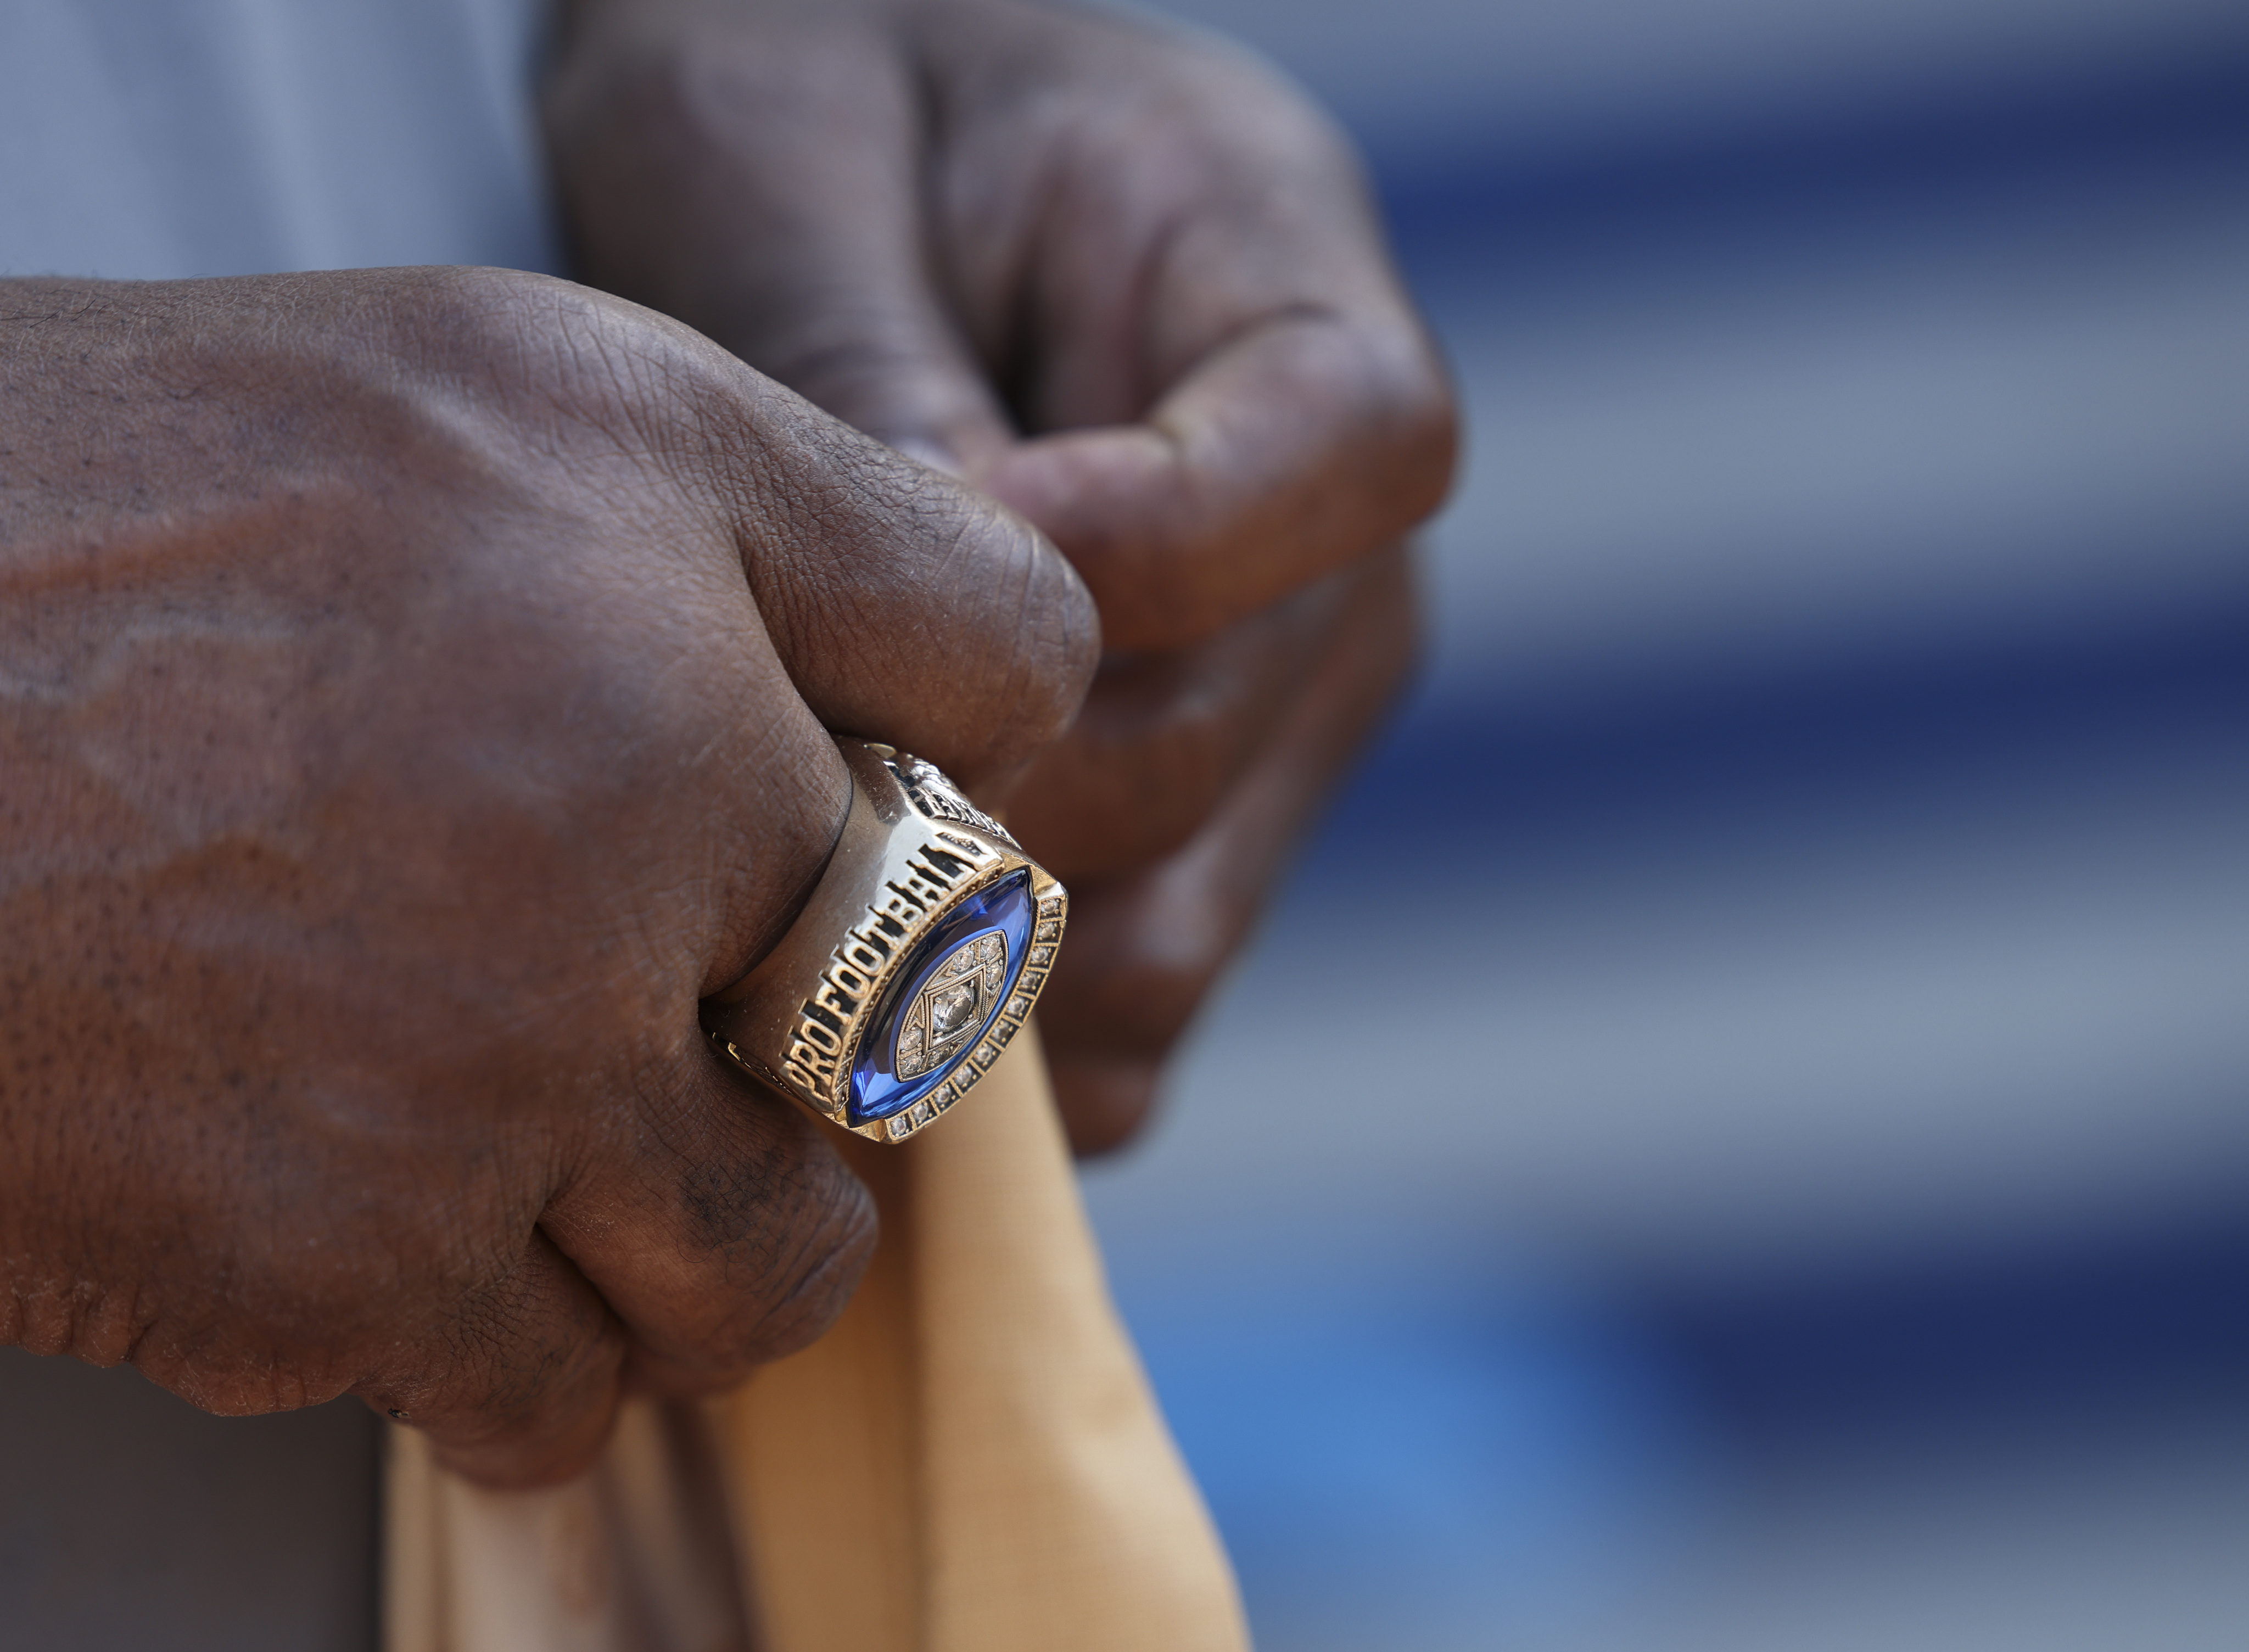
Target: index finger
1304,444
1232,394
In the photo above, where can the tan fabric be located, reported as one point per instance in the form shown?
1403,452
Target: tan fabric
970,1462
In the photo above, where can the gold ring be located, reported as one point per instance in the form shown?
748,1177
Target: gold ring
915,962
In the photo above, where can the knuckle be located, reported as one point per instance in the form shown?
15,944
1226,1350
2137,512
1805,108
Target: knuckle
1161,742
472,318
492,1384
1404,424
790,1250
895,571
568,364
1427,426
1040,618
822,1270
744,1236
495,1335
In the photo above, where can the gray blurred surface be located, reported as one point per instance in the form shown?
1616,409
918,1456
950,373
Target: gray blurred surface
129,1519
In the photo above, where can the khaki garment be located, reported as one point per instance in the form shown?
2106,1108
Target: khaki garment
971,1461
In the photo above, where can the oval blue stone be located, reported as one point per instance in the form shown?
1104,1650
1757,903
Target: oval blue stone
942,1002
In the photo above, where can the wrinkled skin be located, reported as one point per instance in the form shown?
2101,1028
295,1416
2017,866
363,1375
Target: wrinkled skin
412,692
1125,281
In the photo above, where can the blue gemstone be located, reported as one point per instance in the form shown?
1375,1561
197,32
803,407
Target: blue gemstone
942,1001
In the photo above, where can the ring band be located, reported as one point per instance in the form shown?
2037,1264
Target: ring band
915,962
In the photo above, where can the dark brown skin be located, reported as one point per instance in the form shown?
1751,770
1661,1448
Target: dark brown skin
1125,281
412,691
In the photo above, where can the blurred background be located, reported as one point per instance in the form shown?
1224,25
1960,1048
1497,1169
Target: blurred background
1737,1135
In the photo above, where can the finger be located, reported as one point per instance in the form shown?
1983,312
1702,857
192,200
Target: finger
903,606
529,1385
1182,244
1291,451
1163,738
767,191
764,190
718,1224
1180,272
1144,950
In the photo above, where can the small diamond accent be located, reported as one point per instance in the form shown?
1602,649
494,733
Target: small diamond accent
920,1114
987,1054
1042,955
1049,931
1018,1007
901,1128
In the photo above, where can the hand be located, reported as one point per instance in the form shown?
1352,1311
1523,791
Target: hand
412,704
1124,281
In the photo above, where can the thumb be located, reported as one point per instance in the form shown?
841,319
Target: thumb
766,192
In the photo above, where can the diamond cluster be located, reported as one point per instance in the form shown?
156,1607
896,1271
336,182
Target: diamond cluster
949,1009
1009,1021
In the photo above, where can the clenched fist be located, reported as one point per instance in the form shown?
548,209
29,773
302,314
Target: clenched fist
412,688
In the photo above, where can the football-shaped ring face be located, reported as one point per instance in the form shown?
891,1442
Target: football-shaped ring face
946,997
